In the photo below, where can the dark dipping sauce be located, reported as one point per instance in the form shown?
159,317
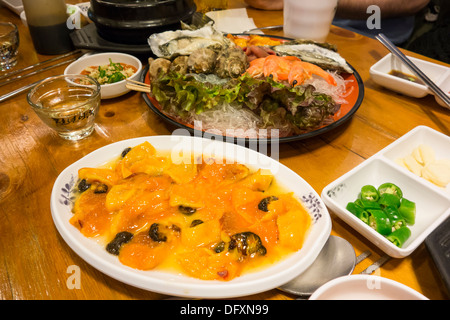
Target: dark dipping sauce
405,76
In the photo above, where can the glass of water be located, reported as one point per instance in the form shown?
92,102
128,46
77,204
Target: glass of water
68,104
9,45
306,19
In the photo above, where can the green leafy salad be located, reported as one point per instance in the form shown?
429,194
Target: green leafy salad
302,106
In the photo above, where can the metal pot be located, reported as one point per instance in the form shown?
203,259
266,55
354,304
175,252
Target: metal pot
132,22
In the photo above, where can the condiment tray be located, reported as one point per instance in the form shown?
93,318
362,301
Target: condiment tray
432,202
380,73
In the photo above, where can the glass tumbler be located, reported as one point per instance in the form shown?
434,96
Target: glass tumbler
9,45
68,104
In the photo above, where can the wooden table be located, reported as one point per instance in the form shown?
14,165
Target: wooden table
35,261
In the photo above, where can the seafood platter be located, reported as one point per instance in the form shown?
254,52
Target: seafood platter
249,86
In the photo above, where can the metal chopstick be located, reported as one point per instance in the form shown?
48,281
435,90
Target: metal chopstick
17,91
12,73
36,72
395,51
377,264
363,256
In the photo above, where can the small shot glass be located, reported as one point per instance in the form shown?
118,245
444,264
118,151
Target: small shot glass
68,104
9,45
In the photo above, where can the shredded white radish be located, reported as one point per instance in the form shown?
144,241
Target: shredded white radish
338,92
231,119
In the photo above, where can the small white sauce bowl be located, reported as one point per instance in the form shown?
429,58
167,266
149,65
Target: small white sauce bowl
110,90
365,287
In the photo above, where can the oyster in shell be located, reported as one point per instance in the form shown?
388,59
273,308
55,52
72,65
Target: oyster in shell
180,65
157,67
170,44
322,54
231,63
202,60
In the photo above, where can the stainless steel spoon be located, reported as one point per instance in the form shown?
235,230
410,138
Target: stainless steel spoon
336,259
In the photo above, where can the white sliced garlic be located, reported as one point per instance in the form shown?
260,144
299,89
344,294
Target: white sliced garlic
427,154
422,162
413,165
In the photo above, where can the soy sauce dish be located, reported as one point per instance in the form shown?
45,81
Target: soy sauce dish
391,73
111,69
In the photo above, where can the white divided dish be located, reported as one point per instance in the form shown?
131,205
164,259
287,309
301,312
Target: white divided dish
379,72
432,202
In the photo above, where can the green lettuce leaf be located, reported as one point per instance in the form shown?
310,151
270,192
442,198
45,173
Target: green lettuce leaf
303,106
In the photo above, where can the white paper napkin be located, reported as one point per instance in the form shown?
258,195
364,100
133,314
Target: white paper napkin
231,20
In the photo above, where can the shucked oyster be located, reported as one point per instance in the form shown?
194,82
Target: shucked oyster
322,54
170,44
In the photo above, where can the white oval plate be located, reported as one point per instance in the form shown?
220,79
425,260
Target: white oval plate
177,284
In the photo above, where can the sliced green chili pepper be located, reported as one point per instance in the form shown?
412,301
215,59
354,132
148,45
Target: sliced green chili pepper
369,193
395,217
386,211
367,204
408,211
359,212
380,222
399,236
390,188
389,200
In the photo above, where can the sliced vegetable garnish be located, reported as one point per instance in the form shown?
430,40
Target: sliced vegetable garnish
358,211
379,221
408,211
395,217
369,193
385,210
390,188
367,204
389,200
399,236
